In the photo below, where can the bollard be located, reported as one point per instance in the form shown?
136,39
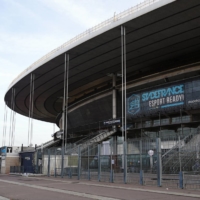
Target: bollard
70,173
181,180
112,176
48,172
99,162
79,163
125,162
89,174
159,163
55,173
141,177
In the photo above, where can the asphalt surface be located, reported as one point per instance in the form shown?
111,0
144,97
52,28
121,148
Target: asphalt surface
44,188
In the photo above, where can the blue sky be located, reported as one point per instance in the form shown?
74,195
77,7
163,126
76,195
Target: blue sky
29,29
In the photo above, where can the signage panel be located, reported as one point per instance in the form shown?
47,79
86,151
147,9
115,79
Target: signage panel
3,151
165,97
112,122
168,98
9,149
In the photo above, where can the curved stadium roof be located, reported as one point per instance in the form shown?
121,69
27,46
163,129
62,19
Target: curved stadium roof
160,36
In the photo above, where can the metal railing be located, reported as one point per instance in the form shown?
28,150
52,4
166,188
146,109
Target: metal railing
106,162
103,24
170,159
97,138
21,169
16,169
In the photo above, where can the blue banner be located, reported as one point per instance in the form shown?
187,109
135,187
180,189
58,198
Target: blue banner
157,99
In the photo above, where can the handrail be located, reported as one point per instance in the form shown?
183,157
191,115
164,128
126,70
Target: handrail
85,138
103,24
91,140
193,132
183,140
43,145
99,131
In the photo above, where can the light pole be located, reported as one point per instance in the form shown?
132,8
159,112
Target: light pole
151,153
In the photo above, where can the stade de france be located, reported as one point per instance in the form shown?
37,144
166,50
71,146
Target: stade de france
125,95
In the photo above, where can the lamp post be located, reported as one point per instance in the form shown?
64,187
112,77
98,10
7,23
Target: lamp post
151,153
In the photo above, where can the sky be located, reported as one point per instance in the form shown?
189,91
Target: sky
29,29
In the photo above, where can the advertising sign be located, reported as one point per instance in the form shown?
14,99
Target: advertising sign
157,99
165,97
112,122
3,151
134,104
9,149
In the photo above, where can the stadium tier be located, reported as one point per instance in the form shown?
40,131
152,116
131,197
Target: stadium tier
156,42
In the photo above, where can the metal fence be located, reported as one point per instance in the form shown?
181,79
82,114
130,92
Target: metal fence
16,169
167,158
21,169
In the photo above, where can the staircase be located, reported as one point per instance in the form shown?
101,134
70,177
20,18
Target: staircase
188,154
85,142
47,144
187,161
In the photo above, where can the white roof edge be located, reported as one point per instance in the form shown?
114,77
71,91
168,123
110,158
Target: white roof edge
121,18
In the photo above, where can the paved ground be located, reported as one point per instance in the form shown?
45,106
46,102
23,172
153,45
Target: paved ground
44,188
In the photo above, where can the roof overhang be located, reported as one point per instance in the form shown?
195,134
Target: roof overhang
159,37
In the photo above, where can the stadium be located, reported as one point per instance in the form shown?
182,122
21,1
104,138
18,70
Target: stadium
128,85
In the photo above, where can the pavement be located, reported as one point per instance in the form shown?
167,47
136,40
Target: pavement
49,188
